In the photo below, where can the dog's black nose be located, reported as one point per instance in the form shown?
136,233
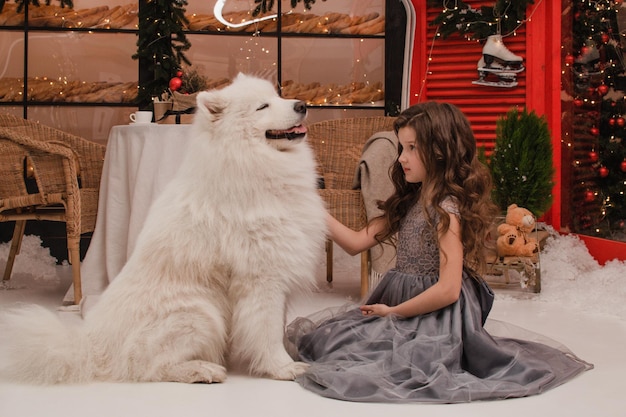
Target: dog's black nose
300,107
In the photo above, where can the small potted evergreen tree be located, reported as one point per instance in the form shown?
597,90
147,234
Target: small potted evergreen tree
522,170
521,164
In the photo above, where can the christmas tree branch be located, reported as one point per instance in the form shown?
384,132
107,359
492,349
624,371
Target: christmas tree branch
504,17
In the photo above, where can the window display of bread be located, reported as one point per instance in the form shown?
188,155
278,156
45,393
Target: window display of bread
44,89
329,94
330,23
105,17
119,17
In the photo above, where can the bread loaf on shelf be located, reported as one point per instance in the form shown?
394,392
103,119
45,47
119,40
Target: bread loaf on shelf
330,23
49,90
333,94
45,89
8,12
105,17
126,17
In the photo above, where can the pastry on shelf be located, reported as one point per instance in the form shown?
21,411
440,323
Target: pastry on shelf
333,94
330,23
43,89
366,27
11,89
9,11
63,17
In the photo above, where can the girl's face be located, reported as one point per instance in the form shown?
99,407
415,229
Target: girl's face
410,158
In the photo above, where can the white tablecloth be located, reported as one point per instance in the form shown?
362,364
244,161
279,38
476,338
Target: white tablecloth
140,160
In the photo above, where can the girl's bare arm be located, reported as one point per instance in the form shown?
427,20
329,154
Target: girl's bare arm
445,292
353,242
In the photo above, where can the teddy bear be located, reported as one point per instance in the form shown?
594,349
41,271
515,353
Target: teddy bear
513,234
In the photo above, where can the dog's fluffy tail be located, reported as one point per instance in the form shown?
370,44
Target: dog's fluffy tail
36,347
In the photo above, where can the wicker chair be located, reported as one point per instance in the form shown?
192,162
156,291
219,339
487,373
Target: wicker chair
337,145
47,174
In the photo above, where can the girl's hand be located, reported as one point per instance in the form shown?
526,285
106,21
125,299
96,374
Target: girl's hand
375,310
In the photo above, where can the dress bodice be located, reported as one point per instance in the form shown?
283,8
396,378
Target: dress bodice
418,251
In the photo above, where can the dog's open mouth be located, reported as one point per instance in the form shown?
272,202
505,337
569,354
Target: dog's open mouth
295,132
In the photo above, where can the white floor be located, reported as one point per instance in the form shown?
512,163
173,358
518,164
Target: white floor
596,337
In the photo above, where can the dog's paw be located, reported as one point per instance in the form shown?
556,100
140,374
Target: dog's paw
196,371
289,372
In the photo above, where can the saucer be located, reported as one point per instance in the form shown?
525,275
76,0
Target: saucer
141,123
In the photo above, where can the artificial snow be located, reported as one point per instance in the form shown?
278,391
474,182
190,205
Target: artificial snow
570,276
34,262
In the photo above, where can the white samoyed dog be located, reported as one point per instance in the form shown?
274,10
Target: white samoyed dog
238,228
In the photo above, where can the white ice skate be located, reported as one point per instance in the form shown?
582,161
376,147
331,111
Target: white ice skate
588,63
495,51
498,61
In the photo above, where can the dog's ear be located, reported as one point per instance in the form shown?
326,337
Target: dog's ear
210,100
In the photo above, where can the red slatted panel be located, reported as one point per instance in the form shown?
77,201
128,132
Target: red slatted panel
451,70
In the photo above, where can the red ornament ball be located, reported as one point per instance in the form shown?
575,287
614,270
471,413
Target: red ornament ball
578,102
603,172
569,59
622,166
594,131
605,37
589,196
179,74
175,83
593,155
621,121
612,121
603,89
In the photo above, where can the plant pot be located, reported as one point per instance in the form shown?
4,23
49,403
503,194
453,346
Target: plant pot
161,108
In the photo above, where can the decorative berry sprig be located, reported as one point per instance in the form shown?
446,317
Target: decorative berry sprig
177,81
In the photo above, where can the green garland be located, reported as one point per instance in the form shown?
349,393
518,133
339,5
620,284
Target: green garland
161,44
501,18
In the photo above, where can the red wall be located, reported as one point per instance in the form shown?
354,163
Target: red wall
444,71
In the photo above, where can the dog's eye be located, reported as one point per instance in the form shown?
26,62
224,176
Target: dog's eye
263,106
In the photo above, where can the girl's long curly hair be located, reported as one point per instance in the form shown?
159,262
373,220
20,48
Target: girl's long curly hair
447,147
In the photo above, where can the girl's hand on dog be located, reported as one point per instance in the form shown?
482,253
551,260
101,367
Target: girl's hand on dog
375,310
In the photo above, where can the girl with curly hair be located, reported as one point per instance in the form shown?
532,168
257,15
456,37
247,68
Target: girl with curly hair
420,335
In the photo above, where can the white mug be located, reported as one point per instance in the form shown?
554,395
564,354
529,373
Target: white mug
141,117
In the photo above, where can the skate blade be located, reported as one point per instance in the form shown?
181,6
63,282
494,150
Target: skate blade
502,84
502,71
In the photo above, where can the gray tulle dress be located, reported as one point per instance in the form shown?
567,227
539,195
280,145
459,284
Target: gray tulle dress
446,356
